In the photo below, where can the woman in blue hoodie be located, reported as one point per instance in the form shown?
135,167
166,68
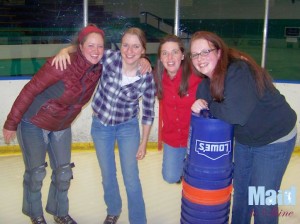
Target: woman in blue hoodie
241,93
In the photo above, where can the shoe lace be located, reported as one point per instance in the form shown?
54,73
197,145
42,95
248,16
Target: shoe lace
66,219
39,220
111,218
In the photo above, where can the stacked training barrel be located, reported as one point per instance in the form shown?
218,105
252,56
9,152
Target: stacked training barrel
207,182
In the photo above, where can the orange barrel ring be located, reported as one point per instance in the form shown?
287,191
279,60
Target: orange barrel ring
207,194
196,200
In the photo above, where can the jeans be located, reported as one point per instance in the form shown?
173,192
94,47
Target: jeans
258,166
127,135
34,143
173,163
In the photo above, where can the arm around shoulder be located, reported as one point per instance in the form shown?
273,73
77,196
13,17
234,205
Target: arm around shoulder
63,57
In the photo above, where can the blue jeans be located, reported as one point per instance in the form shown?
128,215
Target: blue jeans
127,135
173,163
34,143
258,166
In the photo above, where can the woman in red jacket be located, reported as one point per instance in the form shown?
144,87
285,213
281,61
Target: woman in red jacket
41,117
176,90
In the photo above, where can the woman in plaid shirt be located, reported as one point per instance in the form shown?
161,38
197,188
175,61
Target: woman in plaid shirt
115,119
116,111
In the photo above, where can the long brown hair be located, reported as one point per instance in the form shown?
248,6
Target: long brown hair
262,78
159,70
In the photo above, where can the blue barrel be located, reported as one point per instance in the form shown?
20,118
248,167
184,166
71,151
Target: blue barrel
208,167
192,213
188,219
205,215
207,184
210,143
205,208
208,173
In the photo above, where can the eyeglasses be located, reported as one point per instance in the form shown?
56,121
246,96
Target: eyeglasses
203,53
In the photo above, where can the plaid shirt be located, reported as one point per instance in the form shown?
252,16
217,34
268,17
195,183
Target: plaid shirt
113,103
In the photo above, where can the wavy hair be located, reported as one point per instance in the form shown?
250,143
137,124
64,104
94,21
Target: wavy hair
262,78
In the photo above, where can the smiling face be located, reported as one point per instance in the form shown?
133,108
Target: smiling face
171,57
204,64
93,47
131,49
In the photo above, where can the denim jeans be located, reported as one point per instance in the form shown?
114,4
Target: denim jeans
127,136
34,143
173,163
258,166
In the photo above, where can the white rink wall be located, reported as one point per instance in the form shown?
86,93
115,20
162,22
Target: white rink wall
10,89
81,126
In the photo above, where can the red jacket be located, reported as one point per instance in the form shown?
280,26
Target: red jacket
52,99
176,111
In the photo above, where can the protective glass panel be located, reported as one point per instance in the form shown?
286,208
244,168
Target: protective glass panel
32,30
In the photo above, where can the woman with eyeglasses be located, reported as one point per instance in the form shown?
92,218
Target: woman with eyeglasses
176,89
242,93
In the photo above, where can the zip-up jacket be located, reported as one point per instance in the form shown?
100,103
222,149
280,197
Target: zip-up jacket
52,99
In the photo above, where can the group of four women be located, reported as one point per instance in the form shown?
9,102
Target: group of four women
227,82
